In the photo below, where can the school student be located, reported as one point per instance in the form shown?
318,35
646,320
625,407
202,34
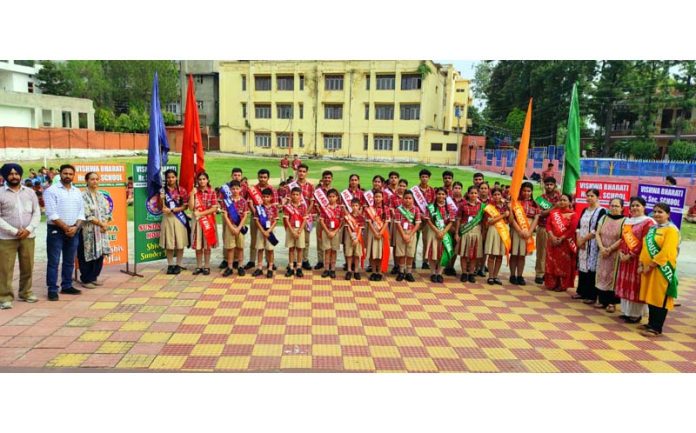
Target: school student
377,220
429,195
203,204
265,220
324,186
407,219
439,218
498,234
234,218
352,239
469,235
331,223
395,201
523,226
175,228
295,219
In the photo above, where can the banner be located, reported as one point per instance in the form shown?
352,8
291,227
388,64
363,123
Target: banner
674,196
147,218
112,184
607,192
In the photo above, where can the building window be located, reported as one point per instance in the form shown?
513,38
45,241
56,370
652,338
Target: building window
408,144
243,83
410,81
384,112
284,140
173,107
366,140
410,111
384,142
244,138
300,139
262,82
333,111
244,112
451,147
435,147
367,82
301,82
199,104
199,79
47,117
461,90
30,87
285,82
367,111
262,140
301,110
66,119
386,82
332,142
284,111
262,111
333,82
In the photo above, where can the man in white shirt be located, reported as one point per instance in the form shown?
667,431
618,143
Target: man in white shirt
64,215
20,214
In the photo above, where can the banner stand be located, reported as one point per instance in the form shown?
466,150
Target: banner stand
135,270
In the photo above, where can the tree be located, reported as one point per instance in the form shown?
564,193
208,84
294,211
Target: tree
477,127
609,88
132,82
643,149
515,121
482,76
87,79
682,151
51,79
685,85
649,79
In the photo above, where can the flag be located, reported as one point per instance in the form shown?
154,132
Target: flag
571,172
158,146
192,162
521,161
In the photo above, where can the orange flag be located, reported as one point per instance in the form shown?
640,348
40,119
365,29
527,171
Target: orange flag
518,175
192,161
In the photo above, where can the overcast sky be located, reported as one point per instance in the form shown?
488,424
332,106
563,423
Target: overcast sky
465,67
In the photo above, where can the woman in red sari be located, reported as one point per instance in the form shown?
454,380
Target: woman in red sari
561,250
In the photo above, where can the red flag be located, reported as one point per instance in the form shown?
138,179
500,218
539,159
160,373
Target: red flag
192,161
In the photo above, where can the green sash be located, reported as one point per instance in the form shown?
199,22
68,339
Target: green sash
543,203
668,271
447,240
407,214
466,228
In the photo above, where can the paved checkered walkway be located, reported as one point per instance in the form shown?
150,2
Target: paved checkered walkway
210,323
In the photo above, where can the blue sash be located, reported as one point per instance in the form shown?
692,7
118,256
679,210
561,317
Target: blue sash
181,216
231,208
263,219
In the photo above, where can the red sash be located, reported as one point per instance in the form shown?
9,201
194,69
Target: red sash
369,198
347,196
559,227
207,223
295,218
255,196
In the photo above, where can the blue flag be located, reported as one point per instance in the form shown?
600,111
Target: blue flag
158,146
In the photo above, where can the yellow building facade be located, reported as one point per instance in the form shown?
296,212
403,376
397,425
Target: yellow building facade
402,110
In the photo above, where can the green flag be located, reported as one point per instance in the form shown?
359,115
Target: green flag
572,147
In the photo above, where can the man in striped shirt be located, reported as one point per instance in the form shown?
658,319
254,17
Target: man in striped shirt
65,213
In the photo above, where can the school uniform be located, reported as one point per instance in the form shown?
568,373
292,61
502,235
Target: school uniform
350,247
434,246
261,242
471,243
376,242
332,223
294,217
402,248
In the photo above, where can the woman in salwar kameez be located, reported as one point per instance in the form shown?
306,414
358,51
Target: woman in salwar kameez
608,241
93,244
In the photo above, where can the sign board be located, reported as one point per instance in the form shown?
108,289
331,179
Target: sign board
674,196
607,192
112,184
147,218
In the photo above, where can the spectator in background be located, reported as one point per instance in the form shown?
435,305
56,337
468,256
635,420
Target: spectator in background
32,174
296,164
39,192
671,181
549,172
2,181
130,189
691,216
284,164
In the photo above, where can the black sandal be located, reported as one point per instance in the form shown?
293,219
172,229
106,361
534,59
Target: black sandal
206,271
490,281
197,271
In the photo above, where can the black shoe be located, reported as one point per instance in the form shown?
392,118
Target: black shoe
513,279
228,272
464,278
332,273
269,274
275,268
299,273
539,280
249,265
325,274
425,266
521,281
289,273
400,276
306,266
490,281
205,271
177,269
409,278
440,279
372,277
472,278
70,291
235,265
53,296
223,264
633,320
368,269
257,273
480,273
319,265
450,272
348,275
433,278
170,270
357,276
395,270
497,281
241,271
197,271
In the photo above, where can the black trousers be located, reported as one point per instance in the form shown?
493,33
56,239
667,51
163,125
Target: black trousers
607,297
89,271
586,285
657,317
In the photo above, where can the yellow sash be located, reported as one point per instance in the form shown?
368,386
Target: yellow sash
628,236
521,218
500,226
